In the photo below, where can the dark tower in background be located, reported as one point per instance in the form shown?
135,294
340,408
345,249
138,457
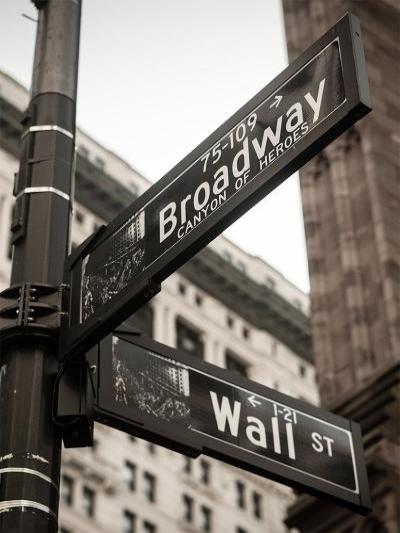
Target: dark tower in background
351,202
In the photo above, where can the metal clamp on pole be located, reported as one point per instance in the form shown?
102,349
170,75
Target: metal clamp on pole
52,190
30,308
47,127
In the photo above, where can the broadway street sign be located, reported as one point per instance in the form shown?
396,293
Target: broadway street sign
178,401
309,104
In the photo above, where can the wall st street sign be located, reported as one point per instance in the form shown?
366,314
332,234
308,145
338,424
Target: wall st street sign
178,401
309,104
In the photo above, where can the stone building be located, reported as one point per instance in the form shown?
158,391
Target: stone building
351,202
226,306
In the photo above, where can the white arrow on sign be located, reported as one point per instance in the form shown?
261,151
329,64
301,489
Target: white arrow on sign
276,101
253,401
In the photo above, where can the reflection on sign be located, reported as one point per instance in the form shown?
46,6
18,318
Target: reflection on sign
164,389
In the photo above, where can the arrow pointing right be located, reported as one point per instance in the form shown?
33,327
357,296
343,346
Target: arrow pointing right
277,101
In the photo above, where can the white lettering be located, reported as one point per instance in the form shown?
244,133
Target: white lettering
221,180
296,135
274,138
224,414
205,186
256,433
295,117
288,141
279,149
316,104
244,155
304,128
239,183
317,444
183,208
329,443
169,219
197,219
205,211
214,204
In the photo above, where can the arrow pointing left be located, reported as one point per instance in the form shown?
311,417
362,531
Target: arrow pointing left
253,401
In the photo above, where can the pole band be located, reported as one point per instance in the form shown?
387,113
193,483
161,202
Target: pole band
33,190
30,471
13,504
48,127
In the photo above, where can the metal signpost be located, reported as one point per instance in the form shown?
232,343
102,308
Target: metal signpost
309,104
183,403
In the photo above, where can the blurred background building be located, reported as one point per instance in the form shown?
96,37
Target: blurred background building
225,306
351,202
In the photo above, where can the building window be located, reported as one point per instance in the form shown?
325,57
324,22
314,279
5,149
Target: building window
240,495
130,475
257,505
83,151
151,448
302,370
226,255
198,300
148,527
189,340
188,465
133,187
274,348
100,163
205,471
182,289
79,217
149,486
88,501
187,508
271,283
129,523
230,322
241,530
206,515
241,266
132,438
235,364
246,333
67,490
297,303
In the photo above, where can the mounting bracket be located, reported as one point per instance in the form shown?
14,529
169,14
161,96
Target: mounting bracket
31,309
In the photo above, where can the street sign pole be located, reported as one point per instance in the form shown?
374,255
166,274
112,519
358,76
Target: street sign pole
30,445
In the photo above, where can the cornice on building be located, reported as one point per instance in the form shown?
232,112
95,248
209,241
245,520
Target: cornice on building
259,305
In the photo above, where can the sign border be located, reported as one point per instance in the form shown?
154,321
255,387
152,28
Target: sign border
187,443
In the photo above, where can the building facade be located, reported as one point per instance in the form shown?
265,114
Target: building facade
351,202
225,306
